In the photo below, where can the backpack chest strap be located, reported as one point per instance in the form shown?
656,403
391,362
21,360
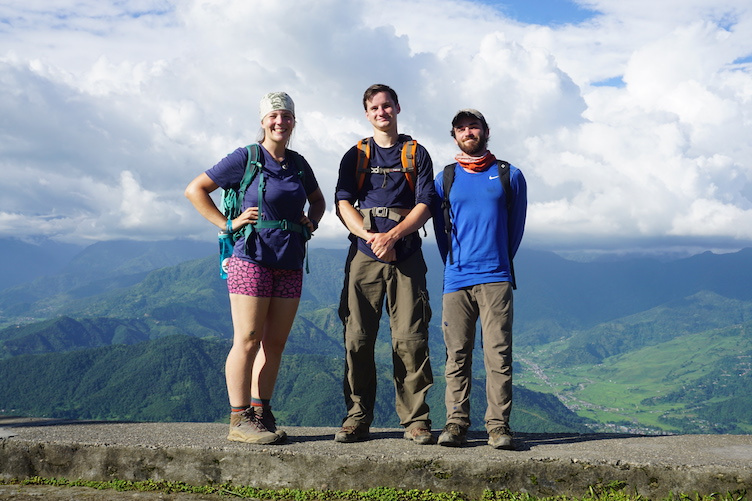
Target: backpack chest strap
407,161
277,224
383,170
396,215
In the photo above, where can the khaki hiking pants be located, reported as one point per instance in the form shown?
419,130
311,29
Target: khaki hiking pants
368,283
493,304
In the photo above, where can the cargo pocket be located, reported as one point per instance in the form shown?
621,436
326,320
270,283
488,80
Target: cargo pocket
425,306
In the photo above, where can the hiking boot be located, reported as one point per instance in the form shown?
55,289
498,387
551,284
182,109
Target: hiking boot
357,433
453,435
501,438
265,417
419,435
245,427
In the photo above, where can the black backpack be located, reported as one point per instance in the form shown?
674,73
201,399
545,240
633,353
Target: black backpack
448,178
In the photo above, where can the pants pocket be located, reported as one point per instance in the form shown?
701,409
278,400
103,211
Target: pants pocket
425,305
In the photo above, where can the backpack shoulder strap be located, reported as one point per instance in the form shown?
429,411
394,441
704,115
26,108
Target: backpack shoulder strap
407,156
364,161
506,183
448,180
232,198
407,159
296,162
252,168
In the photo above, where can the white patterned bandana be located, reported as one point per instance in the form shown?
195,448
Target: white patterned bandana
275,101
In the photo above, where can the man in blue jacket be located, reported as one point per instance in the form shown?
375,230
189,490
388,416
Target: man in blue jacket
486,227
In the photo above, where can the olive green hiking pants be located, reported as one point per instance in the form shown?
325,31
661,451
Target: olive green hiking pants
369,286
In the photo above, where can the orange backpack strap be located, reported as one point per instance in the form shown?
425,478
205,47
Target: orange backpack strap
407,159
409,149
364,160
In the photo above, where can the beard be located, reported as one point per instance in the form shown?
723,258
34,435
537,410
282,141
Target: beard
474,147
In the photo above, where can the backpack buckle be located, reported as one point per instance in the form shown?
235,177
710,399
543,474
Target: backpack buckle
380,211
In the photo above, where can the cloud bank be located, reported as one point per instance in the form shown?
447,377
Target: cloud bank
631,127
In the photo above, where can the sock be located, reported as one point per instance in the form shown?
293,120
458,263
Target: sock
260,402
238,409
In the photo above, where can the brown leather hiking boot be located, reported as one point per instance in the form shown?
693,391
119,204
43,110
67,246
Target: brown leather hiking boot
265,416
453,435
245,427
501,438
357,433
420,435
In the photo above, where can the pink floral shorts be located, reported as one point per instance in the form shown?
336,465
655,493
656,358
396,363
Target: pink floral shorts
251,279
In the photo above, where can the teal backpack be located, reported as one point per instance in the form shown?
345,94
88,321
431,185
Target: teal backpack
232,201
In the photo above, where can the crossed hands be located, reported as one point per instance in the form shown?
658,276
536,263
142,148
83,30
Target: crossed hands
382,245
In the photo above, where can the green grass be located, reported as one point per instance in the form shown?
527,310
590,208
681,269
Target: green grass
614,392
604,491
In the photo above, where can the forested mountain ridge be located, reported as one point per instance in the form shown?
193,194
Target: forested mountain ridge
555,298
180,378
574,323
700,312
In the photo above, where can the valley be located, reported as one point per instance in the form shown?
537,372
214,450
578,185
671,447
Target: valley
630,346
626,393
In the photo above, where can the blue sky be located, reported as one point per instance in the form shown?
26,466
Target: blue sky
630,120
543,12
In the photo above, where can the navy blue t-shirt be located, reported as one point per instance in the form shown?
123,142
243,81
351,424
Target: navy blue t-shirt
386,190
285,198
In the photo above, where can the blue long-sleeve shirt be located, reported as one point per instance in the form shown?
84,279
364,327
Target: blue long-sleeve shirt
484,236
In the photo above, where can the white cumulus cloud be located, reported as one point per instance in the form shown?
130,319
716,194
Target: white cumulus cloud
631,127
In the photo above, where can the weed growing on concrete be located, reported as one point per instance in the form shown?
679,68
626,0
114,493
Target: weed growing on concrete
243,492
613,491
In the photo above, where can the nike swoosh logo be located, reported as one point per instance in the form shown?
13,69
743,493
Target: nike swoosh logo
493,177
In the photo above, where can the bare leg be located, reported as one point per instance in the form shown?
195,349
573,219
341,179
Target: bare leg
248,319
279,320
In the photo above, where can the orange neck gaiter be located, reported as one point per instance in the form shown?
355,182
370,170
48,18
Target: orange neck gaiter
476,164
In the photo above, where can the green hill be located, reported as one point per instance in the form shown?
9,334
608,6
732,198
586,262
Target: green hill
180,378
700,312
692,383
100,268
66,334
635,345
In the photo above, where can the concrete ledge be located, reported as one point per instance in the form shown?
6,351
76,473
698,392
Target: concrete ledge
198,454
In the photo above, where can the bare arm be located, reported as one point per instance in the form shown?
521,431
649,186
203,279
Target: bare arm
198,192
352,219
316,209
